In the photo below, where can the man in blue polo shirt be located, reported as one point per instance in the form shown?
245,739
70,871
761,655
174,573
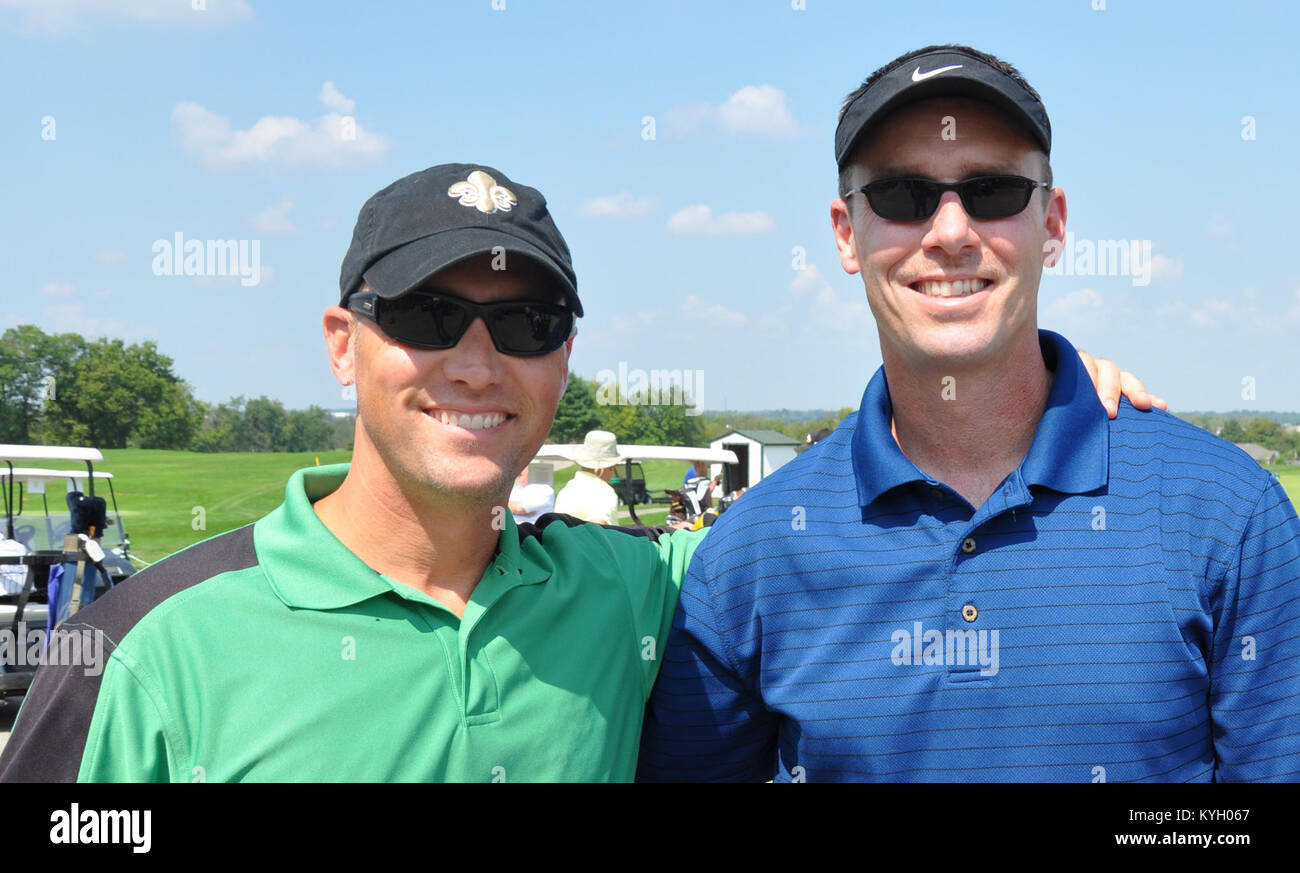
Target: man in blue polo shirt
943,590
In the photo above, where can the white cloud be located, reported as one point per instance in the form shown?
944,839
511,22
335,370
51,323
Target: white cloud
274,219
698,220
1077,302
57,289
808,279
758,109
73,318
761,110
621,205
63,16
333,100
111,256
828,313
714,314
1252,314
694,311
331,140
1166,268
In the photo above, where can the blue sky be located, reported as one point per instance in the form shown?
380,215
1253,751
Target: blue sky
222,123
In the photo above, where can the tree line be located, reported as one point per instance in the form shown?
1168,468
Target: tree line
1267,432
65,389
62,389
671,424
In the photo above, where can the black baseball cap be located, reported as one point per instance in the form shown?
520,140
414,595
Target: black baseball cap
946,71
430,220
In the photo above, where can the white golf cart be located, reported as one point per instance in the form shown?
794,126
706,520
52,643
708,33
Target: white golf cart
35,537
630,485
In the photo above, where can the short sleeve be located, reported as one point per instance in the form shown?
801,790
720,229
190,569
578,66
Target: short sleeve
1255,680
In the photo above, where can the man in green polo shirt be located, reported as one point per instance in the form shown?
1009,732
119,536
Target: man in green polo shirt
390,621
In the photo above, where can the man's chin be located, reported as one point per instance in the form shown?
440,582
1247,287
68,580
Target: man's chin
956,346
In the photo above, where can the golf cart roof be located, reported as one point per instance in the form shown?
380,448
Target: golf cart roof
27,474
12,453
564,454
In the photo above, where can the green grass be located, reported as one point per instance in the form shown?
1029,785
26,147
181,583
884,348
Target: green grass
1290,478
157,490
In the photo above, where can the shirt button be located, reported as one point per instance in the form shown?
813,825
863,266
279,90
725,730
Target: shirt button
968,545
936,493
969,612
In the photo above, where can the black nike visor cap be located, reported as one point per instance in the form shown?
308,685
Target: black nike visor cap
945,71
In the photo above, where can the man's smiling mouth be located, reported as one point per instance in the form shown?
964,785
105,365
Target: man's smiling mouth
945,288
468,420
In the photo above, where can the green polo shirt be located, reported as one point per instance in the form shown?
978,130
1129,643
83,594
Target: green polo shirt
273,653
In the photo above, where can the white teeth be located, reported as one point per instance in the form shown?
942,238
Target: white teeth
470,422
960,288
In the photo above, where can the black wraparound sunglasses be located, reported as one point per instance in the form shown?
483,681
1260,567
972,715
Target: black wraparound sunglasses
433,320
916,199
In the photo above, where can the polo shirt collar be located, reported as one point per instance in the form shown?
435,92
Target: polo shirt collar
309,568
1071,448
1070,452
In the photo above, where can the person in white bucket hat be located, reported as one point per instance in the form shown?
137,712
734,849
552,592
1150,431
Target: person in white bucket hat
589,495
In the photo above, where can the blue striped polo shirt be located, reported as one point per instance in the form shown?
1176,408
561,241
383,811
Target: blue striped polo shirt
1125,607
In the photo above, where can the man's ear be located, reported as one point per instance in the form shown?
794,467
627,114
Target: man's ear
340,332
568,350
1054,227
842,226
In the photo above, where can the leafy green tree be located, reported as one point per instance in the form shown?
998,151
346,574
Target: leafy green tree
1233,432
577,413
221,427
114,395
343,432
305,430
669,425
624,422
1264,431
264,420
31,365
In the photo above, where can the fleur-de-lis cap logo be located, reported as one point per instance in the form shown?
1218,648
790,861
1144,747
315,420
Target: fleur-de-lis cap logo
482,192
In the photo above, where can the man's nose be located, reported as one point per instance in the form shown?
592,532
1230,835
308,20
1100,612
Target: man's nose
950,227
474,360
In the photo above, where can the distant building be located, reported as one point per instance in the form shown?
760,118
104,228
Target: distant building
760,453
1259,453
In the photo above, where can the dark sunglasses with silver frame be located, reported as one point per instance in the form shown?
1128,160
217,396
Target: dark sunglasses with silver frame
436,320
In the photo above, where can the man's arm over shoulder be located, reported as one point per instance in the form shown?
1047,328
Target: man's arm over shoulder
1255,676
706,720
654,593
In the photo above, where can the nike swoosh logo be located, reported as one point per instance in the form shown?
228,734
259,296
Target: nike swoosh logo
918,76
